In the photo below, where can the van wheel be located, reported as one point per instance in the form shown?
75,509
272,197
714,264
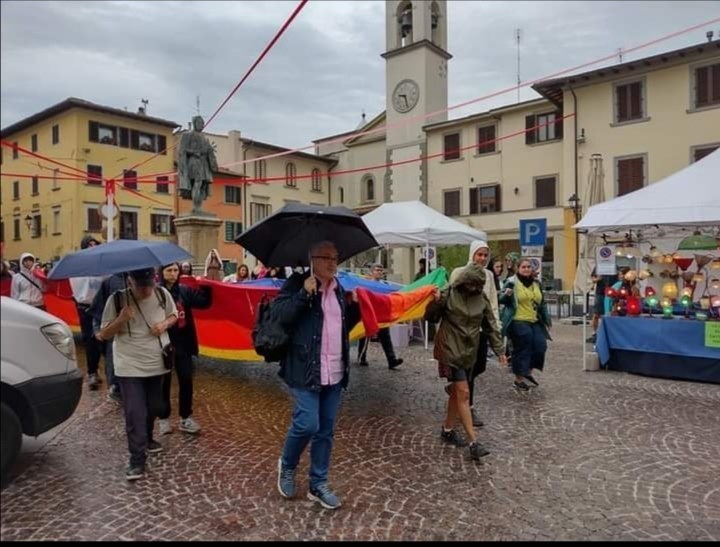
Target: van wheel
10,439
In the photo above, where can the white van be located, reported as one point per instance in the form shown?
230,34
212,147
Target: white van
41,383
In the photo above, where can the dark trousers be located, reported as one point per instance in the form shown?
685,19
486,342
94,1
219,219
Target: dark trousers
112,380
386,343
184,370
480,364
529,346
142,402
93,346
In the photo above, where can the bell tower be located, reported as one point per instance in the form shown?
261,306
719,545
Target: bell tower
416,84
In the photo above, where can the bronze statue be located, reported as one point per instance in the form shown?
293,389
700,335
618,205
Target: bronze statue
196,163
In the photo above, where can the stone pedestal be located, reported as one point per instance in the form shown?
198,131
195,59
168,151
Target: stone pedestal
198,235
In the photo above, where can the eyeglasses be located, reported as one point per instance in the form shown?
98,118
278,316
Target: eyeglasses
328,258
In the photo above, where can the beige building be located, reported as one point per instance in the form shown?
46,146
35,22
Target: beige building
271,183
646,118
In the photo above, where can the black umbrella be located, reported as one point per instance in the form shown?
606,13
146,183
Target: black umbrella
285,237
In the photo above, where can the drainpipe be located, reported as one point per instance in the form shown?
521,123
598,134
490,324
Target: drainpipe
575,162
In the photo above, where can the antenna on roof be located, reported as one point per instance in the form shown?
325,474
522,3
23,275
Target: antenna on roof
143,108
197,104
620,54
517,41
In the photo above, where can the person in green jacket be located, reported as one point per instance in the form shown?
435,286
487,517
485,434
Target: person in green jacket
464,311
525,320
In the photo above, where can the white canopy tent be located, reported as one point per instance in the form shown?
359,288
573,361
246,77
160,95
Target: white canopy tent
414,224
687,198
665,211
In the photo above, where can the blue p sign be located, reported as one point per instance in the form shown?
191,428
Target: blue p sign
533,232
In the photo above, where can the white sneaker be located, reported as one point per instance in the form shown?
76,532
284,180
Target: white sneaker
165,427
189,425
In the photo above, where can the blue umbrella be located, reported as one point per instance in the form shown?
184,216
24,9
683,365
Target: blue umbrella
121,255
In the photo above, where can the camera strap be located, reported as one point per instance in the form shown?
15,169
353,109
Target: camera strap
137,305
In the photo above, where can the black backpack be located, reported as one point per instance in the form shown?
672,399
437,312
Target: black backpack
270,339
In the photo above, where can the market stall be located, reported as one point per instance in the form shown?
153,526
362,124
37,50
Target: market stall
663,315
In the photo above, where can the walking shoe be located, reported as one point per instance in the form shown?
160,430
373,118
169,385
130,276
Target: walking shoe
477,451
324,496
448,388
363,363
452,437
395,364
591,339
286,480
164,426
134,472
188,425
533,380
520,386
476,421
154,447
93,381
114,395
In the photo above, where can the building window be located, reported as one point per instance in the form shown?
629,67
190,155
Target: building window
35,186
16,153
128,225
629,102
485,199
36,226
259,211
232,194
341,194
146,142
160,224
55,134
699,152
486,139
630,174
451,203
102,133
94,220
56,222
543,127
368,188
16,189
290,175
130,179
161,144
260,170
94,174
55,183
546,191
34,143
316,180
232,230
162,186
706,85
16,229
451,146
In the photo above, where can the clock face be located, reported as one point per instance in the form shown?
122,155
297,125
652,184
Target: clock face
405,96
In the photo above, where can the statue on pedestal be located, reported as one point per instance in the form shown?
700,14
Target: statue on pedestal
196,163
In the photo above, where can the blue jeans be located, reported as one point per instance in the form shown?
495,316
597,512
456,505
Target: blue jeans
529,346
313,419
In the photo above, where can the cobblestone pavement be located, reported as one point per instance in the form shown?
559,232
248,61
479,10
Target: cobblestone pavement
586,456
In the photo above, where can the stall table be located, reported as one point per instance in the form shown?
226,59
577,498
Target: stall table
666,348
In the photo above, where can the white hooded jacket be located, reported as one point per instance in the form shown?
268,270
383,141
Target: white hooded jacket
489,287
26,287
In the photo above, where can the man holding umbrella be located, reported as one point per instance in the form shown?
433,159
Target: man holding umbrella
318,315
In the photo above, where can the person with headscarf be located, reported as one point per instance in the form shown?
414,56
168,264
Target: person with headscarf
479,255
26,286
186,268
464,312
213,266
526,321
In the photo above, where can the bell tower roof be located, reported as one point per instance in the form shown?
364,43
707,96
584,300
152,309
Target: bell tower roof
416,23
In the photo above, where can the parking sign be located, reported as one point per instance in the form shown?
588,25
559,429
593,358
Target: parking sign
533,231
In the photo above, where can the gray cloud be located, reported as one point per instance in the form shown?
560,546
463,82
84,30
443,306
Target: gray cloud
323,72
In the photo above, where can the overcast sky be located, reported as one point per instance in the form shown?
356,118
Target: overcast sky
320,76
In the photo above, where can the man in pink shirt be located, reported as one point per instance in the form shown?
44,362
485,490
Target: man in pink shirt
319,316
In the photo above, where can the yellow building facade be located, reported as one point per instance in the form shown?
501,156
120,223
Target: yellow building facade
49,216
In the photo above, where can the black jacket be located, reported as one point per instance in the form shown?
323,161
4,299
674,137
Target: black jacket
302,315
185,339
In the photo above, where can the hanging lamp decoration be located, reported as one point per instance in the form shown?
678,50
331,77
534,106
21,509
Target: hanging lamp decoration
698,242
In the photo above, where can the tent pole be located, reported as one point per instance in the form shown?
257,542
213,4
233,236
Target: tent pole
584,330
427,266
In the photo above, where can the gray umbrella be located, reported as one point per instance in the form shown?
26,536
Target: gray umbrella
596,181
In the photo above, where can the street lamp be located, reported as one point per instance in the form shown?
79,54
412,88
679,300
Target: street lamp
28,221
574,201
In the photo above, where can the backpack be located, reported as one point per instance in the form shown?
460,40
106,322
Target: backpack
270,339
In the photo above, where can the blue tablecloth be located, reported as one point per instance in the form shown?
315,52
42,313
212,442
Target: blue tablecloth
678,346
